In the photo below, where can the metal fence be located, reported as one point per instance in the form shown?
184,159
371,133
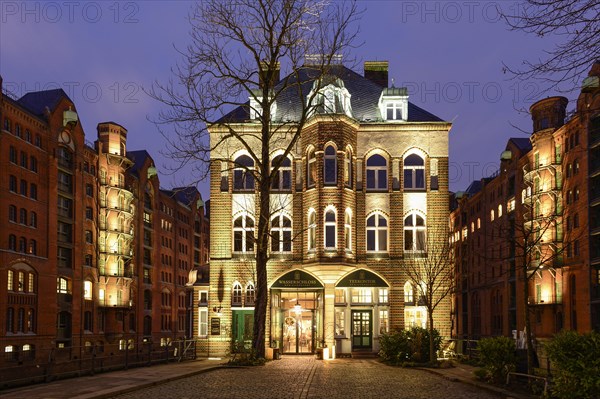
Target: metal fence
22,367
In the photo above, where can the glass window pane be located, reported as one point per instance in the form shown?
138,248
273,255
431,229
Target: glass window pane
408,240
370,240
408,183
370,179
382,179
330,236
420,178
382,235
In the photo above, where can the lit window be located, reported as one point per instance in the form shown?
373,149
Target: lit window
340,322
499,210
362,295
414,172
383,295
281,234
87,290
202,322
62,285
330,165
492,215
348,168
376,173
409,296
414,233
383,321
10,281
31,283
330,229
243,234
377,233
243,177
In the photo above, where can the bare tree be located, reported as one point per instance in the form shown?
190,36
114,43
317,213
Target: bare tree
432,274
576,23
232,65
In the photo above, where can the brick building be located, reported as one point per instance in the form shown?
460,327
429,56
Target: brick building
94,256
545,192
353,202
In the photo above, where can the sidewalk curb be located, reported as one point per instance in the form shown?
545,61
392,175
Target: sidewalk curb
490,388
122,391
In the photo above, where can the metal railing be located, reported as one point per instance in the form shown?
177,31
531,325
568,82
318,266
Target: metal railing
36,365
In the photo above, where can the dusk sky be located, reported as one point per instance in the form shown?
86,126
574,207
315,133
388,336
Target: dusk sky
449,55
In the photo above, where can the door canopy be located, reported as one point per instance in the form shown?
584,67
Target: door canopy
297,279
361,278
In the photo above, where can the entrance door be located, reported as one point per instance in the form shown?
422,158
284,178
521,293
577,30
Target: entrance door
362,326
242,327
298,332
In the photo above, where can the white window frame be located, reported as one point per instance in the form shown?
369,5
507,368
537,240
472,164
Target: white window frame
414,171
203,322
282,230
88,290
330,161
284,170
237,291
244,230
376,179
378,229
348,230
311,168
312,229
243,177
327,227
415,232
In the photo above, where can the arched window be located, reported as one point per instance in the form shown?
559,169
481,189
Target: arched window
236,294
10,320
22,244
12,213
348,168
243,178
409,295
281,234
243,234
414,173
33,219
377,233
23,216
330,165
414,233
63,324
311,168
348,230
147,300
12,242
499,210
33,247
312,230
250,294
376,173
330,229
282,179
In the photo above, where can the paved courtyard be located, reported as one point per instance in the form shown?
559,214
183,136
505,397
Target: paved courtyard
298,377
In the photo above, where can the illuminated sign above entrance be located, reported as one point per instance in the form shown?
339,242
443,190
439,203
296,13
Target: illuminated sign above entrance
362,278
297,279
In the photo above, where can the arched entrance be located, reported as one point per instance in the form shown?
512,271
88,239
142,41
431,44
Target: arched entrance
296,312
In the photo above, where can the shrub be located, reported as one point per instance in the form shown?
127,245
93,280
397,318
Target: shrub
577,361
406,347
497,357
394,347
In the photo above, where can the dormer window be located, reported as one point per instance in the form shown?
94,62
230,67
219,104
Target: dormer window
393,104
256,106
332,98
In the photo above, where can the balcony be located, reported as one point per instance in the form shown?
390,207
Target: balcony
120,209
549,299
117,252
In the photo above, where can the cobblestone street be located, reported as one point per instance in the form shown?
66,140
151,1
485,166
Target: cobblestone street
305,377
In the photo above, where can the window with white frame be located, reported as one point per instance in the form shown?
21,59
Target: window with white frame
414,172
62,285
377,233
383,295
330,229
393,111
281,234
202,322
250,294
330,166
282,179
236,294
383,321
340,322
348,229
409,294
312,229
376,172
243,178
414,233
362,295
311,168
243,234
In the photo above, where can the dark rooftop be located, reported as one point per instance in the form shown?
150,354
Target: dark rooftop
37,101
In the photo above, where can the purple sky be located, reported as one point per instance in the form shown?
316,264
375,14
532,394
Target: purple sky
448,53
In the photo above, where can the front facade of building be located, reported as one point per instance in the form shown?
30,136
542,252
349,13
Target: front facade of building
82,233
545,191
357,198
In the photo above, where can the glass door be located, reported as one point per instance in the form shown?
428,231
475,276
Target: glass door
298,332
362,326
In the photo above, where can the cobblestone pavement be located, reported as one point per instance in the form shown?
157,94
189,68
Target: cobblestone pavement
304,377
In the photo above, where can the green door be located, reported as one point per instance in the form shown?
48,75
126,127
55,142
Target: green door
242,326
362,327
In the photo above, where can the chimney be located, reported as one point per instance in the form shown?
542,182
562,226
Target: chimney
263,68
377,72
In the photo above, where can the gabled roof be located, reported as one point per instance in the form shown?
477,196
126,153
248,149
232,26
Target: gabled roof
186,195
138,158
364,98
37,101
522,143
